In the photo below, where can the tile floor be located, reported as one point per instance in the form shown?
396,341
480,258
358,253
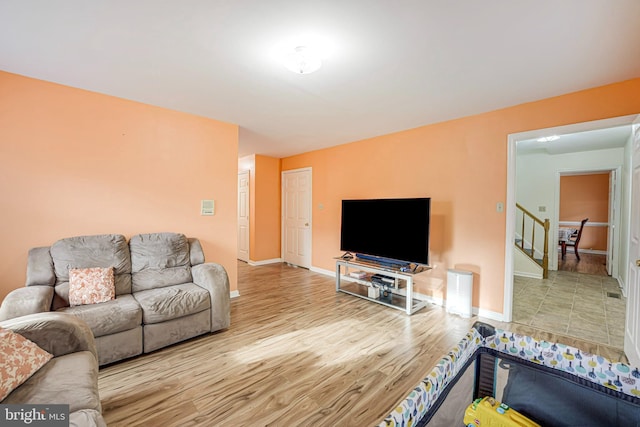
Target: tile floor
572,304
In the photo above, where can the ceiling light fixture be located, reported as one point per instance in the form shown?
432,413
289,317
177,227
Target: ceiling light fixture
302,60
548,138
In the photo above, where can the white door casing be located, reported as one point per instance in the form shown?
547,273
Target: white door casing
613,234
243,216
296,217
510,210
610,228
632,328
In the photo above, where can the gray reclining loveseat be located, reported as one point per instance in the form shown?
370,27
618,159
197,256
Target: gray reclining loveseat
70,377
164,290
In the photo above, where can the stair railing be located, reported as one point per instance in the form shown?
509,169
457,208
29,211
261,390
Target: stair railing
529,222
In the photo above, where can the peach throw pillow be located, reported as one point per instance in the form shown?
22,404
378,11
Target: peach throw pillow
19,359
91,285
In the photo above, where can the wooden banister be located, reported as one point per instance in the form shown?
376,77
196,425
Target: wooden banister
526,215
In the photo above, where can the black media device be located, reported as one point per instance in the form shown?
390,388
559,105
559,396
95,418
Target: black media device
382,280
389,231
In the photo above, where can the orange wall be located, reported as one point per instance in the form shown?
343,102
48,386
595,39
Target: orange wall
267,201
586,196
462,165
74,162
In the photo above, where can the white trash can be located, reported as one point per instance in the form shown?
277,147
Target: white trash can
459,292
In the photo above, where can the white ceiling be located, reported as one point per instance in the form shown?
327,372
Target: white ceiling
395,64
598,139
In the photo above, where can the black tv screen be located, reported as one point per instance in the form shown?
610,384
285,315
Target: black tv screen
397,229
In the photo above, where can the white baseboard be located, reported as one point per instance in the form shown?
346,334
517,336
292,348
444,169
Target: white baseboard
235,294
529,275
488,314
264,262
432,300
589,251
623,288
322,271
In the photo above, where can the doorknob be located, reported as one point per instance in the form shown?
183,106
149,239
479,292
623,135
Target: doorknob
638,263
306,224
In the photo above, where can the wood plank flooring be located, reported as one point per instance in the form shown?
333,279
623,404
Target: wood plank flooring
297,354
588,264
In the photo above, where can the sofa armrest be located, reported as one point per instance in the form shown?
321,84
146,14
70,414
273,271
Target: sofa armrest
23,301
213,277
57,333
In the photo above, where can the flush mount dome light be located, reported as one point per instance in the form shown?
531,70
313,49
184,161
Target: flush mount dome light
548,138
302,60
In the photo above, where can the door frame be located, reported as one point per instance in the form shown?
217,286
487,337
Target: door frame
510,220
248,173
631,335
616,221
613,231
282,212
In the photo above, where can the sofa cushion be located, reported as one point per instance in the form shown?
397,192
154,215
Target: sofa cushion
19,359
120,314
91,285
108,250
158,260
70,379
118,346
171,302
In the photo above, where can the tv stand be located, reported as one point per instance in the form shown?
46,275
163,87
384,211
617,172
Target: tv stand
395,286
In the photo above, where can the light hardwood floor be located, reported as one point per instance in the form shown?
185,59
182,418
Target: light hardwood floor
297,354
589,263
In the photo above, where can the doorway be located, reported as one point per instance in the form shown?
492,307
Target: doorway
594,195
513,141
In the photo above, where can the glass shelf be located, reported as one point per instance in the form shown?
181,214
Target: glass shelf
399,284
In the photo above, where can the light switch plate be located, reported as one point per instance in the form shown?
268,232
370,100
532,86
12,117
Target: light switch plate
207,207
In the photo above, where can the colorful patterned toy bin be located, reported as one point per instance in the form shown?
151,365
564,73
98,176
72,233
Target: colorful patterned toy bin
552,384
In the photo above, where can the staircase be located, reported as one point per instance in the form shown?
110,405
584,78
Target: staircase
529,252
536,250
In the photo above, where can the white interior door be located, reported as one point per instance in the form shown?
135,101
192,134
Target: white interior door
243,216
296,217
632,329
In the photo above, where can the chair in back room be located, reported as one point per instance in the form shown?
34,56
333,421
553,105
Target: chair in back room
575,241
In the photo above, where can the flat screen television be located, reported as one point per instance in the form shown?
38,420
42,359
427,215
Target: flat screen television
394,230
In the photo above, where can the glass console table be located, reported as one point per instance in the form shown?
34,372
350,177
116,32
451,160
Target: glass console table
394,287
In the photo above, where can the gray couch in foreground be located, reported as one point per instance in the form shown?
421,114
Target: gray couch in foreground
71,377
165,292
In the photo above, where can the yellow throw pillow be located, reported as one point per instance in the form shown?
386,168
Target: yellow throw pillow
91,285
19,359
